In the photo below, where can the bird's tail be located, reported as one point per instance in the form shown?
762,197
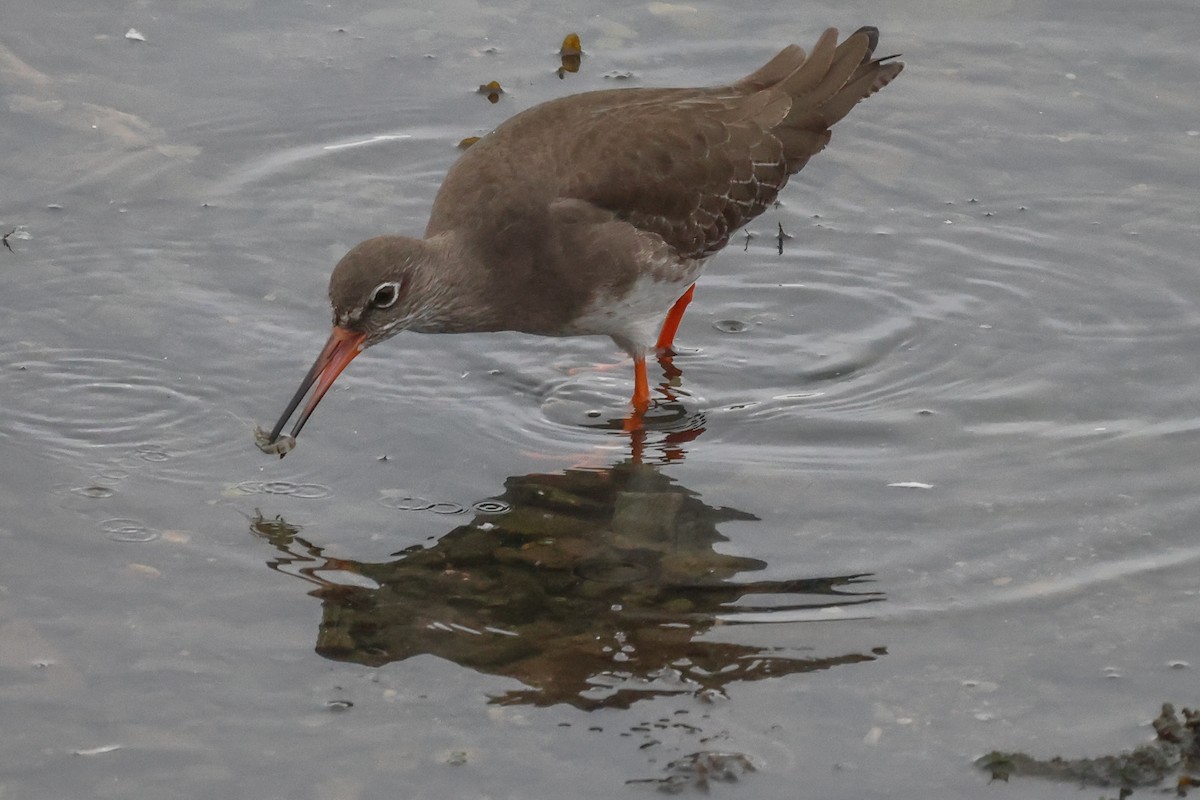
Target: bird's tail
822,87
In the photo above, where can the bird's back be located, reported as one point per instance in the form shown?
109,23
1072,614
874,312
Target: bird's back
688,165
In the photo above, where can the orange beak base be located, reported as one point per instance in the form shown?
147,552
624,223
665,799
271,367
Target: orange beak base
343,346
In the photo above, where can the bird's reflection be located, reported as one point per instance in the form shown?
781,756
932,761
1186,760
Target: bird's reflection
596,588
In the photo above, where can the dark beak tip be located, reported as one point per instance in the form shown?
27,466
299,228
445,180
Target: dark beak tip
339,351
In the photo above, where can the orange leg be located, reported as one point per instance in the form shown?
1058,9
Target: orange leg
641,395
666,336
641,385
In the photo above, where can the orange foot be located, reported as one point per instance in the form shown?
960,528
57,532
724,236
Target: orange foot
641,395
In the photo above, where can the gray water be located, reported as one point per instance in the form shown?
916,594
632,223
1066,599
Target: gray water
927,489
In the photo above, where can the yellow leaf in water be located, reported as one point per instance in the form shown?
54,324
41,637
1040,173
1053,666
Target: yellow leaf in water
492,90
467,142
571,45
571,54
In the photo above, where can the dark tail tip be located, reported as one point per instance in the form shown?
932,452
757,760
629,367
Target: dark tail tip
872,34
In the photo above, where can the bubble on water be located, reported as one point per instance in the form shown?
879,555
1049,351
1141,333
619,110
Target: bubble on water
730,326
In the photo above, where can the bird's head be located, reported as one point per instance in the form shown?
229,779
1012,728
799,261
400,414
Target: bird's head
377,290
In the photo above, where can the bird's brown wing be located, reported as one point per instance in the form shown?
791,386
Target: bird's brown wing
689,165
693,166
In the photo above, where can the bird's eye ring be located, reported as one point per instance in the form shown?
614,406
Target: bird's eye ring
385,295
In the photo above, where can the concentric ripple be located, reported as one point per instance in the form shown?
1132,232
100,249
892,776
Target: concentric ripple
69,400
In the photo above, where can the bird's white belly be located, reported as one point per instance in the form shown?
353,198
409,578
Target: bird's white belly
634,318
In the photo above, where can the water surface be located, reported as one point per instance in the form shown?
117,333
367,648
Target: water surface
926,488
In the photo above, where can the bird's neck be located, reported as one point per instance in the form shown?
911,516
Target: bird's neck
455,288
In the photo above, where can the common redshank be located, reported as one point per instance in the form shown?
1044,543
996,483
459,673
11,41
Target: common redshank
595,213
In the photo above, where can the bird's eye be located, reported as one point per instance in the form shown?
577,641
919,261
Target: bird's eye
385,295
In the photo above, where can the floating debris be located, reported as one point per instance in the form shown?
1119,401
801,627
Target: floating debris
781,237
910,485
16,233
133,34
463,144
1175,752
571,54
493,90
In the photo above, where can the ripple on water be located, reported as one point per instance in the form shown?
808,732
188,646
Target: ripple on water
304,491
405,502
731,326
402,501
69,400
491,507
596,400
986,318
152,453
128,530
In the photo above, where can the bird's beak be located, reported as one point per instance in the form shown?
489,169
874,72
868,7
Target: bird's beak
339,351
